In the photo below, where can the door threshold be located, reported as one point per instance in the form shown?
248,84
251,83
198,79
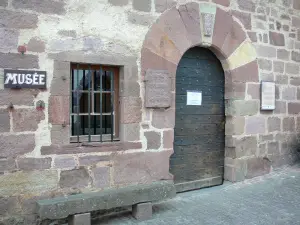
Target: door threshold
198,184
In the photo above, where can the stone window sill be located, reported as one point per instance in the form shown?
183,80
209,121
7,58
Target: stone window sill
90,148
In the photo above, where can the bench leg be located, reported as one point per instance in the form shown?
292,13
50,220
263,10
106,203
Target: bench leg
142,211
80,219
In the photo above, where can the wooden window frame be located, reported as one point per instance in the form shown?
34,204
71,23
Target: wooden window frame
116,111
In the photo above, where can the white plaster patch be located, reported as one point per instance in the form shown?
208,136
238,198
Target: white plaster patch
26,35
43,133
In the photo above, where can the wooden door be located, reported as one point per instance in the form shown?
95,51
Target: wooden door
199,134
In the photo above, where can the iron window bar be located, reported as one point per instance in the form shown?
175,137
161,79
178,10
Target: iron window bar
80,89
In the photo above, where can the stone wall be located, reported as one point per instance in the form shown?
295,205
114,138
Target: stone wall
37,160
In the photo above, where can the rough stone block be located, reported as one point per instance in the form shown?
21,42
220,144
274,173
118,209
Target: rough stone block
283,54
8,205
42,6
292,68
17,97
255,125
78,178
7,165
68,33
60,135
265,64
59,107
293,108
233,41
240,147
246,5
288,124
101,177
36,45
130,132
242,108
236,170
252,36
235,125
163,118
60,84
278,66
286,27
15,60
245,18
283,137
190,15
266,76
9,39
254,91
3,3
295,56
142,211
267,137
225,3
168,139
91,160
163,5
105,199
274,124
276,39
18,20
262,149
296,5
234,90
28,183
118,2
281,79
273,148
64,162
141,167
26,119
153,139
34,163
266,51
4,121
289,93
258,167
280,107
80,219
131,110
14,145
142,5
295,81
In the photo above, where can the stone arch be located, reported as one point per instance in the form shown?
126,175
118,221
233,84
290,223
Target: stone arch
207,25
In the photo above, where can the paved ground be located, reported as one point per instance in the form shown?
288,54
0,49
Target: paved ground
273,199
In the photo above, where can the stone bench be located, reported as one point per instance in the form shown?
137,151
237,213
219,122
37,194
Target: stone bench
78,207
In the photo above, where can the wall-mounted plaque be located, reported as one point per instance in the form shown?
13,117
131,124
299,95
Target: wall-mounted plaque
25,79
158,89
267,95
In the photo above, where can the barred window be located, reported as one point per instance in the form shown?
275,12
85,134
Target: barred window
94,109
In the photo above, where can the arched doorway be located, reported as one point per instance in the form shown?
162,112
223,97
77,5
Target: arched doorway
199,133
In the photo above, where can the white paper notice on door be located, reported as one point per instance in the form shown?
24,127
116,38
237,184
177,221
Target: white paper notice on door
194,98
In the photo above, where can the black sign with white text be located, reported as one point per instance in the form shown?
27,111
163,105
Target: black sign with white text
25,79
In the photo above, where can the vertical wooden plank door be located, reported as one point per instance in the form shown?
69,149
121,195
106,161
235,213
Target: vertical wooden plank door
199,134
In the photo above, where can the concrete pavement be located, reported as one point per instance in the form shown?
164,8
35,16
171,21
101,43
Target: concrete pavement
270,200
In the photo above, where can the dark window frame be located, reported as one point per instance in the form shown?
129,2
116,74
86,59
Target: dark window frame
75,130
